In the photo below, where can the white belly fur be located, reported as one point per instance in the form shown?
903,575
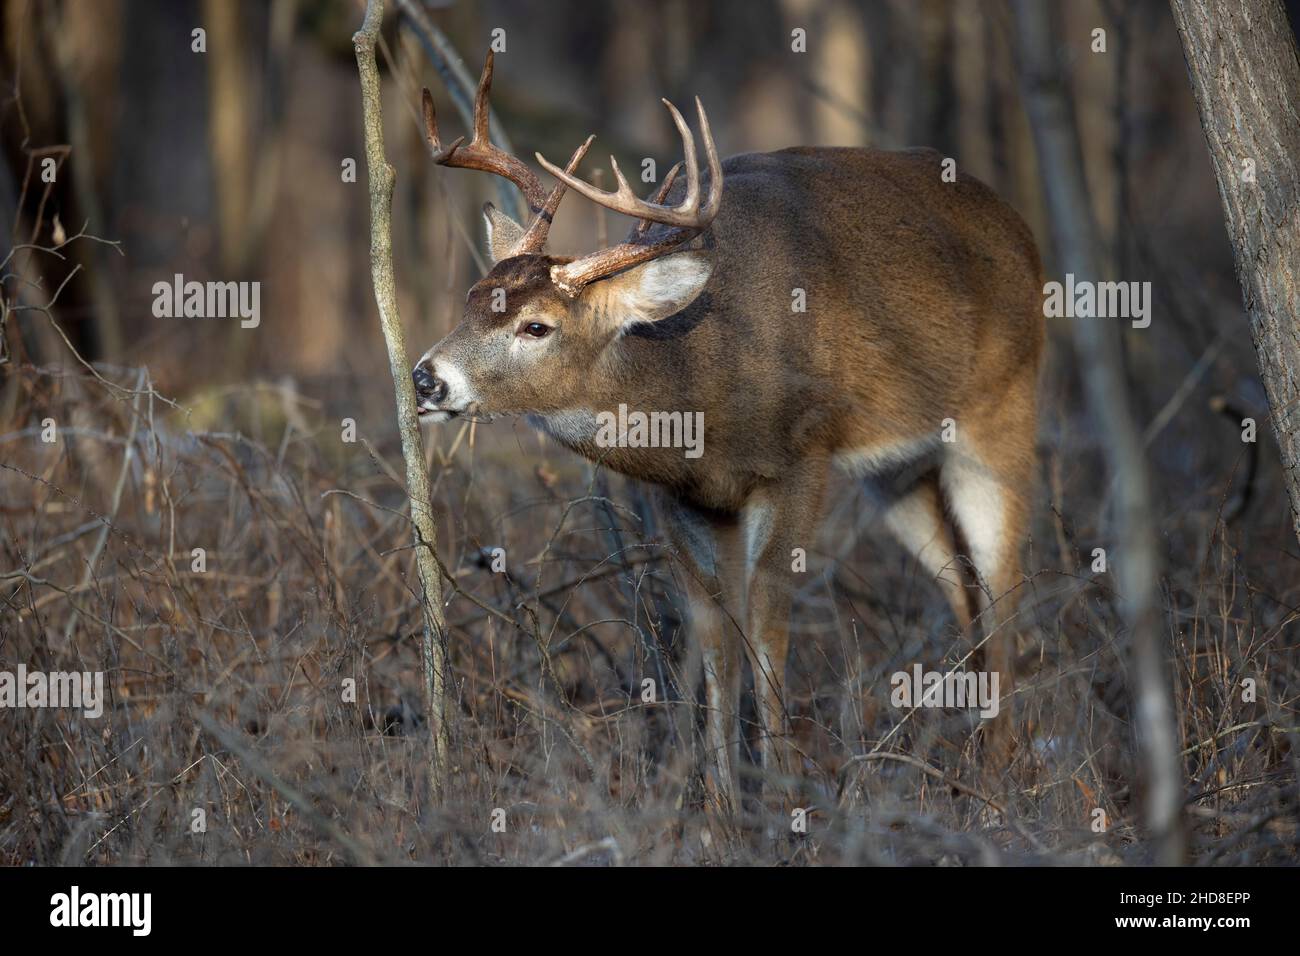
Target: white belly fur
872,460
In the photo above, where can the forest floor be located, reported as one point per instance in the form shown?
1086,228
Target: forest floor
230,733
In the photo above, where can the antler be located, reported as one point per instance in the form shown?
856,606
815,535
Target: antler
689,217
482,155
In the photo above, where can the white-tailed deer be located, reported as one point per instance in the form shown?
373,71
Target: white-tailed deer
922,305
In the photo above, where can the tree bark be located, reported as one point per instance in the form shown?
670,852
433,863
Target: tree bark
382,178
1241,58
1097,341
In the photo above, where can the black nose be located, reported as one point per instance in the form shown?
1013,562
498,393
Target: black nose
427,386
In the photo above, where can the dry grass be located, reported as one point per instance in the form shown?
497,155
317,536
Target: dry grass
225,686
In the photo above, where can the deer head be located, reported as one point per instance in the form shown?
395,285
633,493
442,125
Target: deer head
536,325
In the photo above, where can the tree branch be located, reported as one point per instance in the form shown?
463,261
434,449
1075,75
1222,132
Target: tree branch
382,178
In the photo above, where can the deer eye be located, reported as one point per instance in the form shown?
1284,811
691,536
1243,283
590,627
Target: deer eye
536,329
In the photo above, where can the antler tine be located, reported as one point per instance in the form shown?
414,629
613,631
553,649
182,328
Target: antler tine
714,200
534,238
624,191
692,198
642,226
431,131
481,137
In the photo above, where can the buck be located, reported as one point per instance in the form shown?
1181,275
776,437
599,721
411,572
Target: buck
922,322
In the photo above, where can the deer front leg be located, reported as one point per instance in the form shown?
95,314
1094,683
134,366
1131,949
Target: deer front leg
776,520
719,659
705,545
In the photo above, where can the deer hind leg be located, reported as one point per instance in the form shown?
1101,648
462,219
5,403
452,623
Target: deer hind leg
776,520
915,517
986,477
705,547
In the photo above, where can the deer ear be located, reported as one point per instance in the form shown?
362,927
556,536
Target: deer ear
653,291
502,232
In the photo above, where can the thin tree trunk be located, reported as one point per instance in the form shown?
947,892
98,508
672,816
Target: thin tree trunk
382,178
1078,250
1242,61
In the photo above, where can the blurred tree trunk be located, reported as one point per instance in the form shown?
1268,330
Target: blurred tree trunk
935,120
1242,61
230,97
971,71
842,76
1080,251
71,65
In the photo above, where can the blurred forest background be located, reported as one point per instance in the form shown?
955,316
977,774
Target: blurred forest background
228,165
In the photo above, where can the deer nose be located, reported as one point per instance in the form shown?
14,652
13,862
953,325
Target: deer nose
428,387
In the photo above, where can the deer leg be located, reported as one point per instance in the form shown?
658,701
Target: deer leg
776,520
703,544
916,519
720,662
987,477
